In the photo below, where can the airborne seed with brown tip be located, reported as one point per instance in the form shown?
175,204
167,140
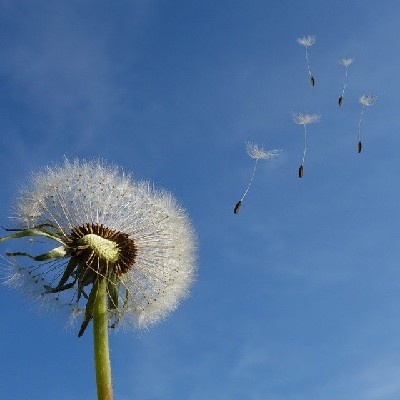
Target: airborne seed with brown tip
237,207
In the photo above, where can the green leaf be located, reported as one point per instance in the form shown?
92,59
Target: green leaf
31,232
112,290
89,309
58,252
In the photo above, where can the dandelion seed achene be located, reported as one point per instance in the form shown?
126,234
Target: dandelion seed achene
304,119
365,100
257,153
308,41
346,62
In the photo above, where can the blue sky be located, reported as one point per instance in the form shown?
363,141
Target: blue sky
297,297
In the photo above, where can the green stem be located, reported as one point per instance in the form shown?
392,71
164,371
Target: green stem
100,341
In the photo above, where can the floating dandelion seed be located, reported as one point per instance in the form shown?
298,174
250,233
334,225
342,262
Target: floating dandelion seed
365,100
257,153
124,251
346,62
304,119
308,41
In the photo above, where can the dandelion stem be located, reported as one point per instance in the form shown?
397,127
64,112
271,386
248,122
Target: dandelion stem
359,123
251,180
308,63
305,145
345,82
100,341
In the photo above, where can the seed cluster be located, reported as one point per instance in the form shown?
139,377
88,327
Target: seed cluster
111,228
126,248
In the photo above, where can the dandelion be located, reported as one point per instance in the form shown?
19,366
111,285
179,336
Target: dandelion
257,153
346,62
365,100
304,119
124,251
308,41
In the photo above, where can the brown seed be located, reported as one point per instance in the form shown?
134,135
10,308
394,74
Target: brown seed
340,100
359,147
312,81
237,207
301,171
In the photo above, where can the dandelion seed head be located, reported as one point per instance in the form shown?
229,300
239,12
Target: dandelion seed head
307,41
259,153
367,99
346,61
305,119
139,238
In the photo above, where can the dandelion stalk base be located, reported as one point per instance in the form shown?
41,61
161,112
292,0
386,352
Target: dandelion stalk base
100,342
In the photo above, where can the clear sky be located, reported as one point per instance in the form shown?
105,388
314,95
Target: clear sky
297,297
